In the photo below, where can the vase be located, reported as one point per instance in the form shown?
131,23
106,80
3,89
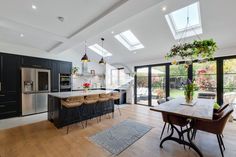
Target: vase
189,98
85,89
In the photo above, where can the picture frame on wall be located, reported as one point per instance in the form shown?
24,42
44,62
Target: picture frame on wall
92,72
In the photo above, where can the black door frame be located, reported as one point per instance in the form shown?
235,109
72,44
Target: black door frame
219,77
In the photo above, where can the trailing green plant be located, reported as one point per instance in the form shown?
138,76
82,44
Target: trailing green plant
204,49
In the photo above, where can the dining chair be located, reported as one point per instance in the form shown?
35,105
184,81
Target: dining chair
215,126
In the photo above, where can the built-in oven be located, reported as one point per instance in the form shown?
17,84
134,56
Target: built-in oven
64,82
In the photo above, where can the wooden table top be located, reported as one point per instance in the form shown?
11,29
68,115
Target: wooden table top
203,109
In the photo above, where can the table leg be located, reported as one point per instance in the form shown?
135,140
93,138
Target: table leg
180,140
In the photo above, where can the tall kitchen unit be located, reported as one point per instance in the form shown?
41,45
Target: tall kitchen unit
35,88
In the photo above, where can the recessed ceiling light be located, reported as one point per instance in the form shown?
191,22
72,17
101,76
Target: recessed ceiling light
163,8
34,7
112,32
21,35
134,52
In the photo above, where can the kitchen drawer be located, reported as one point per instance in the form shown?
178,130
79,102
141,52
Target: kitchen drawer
8,109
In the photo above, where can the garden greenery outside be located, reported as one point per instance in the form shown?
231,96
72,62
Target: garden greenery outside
204,75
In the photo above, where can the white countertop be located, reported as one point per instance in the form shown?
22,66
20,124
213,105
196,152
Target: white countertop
79,93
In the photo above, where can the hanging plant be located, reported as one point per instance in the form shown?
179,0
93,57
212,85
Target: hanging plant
204,49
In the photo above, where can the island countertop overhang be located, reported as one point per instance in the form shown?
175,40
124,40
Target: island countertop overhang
63,95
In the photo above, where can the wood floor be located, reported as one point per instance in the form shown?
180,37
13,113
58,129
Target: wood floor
42,139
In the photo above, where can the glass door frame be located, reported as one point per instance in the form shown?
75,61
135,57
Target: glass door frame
150,82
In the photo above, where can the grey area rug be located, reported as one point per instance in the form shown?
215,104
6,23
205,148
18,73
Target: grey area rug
120,136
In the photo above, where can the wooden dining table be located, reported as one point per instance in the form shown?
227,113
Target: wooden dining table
202,109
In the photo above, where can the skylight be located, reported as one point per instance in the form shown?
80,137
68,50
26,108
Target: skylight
129,40
178,24
99,50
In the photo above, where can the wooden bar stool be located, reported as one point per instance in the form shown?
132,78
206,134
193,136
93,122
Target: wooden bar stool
72,104
89,107
116,97
103,104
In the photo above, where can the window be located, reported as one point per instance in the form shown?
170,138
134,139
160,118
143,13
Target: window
178,24
118,77
178,76
204,75
129,40
99,50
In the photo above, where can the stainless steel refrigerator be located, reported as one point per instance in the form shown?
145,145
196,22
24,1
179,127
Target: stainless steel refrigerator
35,88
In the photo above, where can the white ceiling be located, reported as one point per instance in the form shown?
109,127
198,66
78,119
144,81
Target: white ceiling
92,19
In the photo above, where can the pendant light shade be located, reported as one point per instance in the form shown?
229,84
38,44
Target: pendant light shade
85,57
102,61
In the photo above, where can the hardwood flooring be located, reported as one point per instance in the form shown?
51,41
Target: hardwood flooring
42,139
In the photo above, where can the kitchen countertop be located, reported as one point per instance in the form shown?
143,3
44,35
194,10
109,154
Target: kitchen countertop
63,95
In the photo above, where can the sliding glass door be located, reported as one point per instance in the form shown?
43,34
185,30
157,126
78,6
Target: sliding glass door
158,83
178,76
229,80
142,83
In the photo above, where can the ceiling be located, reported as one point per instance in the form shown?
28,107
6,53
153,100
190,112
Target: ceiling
92,19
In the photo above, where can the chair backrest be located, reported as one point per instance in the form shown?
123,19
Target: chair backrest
92,97
215,126
223,120
75,99
105,95
116,95
161,101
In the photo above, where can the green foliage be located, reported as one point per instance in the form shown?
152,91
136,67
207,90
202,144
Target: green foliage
74,70
199,48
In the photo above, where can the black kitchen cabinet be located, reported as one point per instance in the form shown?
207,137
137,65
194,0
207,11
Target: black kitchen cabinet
10,79
35,62
55,70
10,85
65,67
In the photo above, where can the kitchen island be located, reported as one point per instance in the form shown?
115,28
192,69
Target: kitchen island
61,116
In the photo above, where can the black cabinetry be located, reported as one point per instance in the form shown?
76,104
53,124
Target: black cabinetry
55,70
10,85
10,79
65,67
35,62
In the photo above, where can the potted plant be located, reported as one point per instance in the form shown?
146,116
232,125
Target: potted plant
189,88
75,70
86,86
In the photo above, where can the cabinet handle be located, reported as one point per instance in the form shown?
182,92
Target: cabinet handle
38,66
1,106
2,95
0,86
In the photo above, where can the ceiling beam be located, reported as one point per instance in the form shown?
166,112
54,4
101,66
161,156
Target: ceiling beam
113,16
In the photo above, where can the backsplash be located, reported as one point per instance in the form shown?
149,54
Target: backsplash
97,81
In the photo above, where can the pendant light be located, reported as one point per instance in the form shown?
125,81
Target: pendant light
102,61
85,57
